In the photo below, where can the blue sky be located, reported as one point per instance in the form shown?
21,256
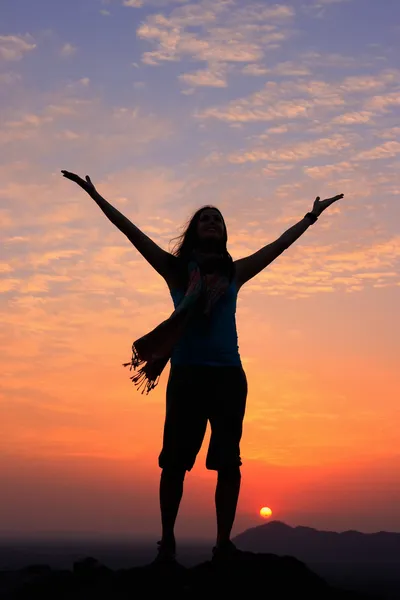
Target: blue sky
185,64
213,92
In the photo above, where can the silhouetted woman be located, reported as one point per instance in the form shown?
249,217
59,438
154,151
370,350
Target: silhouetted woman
206,381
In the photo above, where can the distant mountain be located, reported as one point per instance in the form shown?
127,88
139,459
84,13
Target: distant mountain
313,546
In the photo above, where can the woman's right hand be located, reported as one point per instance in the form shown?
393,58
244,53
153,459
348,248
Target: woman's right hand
86,184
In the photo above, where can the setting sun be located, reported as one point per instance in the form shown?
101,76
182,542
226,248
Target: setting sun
265,512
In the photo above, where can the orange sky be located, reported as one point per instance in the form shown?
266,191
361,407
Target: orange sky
318,330
320,444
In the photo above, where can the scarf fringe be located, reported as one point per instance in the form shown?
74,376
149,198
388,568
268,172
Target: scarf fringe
141,378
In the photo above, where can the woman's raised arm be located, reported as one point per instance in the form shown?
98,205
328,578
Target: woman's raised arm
161,260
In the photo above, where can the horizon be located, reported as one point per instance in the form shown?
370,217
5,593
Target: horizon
256,108
82,535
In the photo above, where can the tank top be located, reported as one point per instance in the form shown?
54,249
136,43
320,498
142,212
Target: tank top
210,342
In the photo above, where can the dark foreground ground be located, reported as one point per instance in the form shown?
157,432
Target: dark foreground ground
253,575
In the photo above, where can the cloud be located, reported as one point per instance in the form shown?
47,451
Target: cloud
280,129
323,171
226,34
322,114
353,118
391,133
321,3
330,59
151,3
302,272
255,70
237,39
386,150
290,68
133,3
370,83
87,128
294,152
383,102
212,77
284,109
14,47
285,100
304,64
68,50
317,8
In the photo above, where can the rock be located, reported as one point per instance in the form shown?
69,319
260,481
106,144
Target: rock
251,575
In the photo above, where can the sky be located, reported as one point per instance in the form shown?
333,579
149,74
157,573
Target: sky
257,108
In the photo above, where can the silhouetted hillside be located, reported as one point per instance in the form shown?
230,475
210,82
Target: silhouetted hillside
311,545
351,560
250,576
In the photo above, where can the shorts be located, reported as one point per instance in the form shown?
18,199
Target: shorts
195,395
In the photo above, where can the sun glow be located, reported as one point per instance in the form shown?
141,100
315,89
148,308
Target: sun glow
265,512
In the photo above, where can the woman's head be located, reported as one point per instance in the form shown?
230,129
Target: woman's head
205,230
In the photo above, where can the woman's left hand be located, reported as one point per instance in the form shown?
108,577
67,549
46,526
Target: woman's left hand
320,205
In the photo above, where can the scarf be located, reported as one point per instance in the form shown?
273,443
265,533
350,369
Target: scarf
208,280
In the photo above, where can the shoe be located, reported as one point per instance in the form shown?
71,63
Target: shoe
166,554
227,551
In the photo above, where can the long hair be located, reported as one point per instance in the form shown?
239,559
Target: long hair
187,241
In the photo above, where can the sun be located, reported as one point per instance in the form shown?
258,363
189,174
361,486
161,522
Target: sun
265,512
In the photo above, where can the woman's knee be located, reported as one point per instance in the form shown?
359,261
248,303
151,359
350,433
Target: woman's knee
229,473
173,473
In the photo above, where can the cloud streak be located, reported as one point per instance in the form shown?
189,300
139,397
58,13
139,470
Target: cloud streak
228,34
15,47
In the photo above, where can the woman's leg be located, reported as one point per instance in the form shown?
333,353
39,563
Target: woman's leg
226,499
227,409
184,429
171,490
